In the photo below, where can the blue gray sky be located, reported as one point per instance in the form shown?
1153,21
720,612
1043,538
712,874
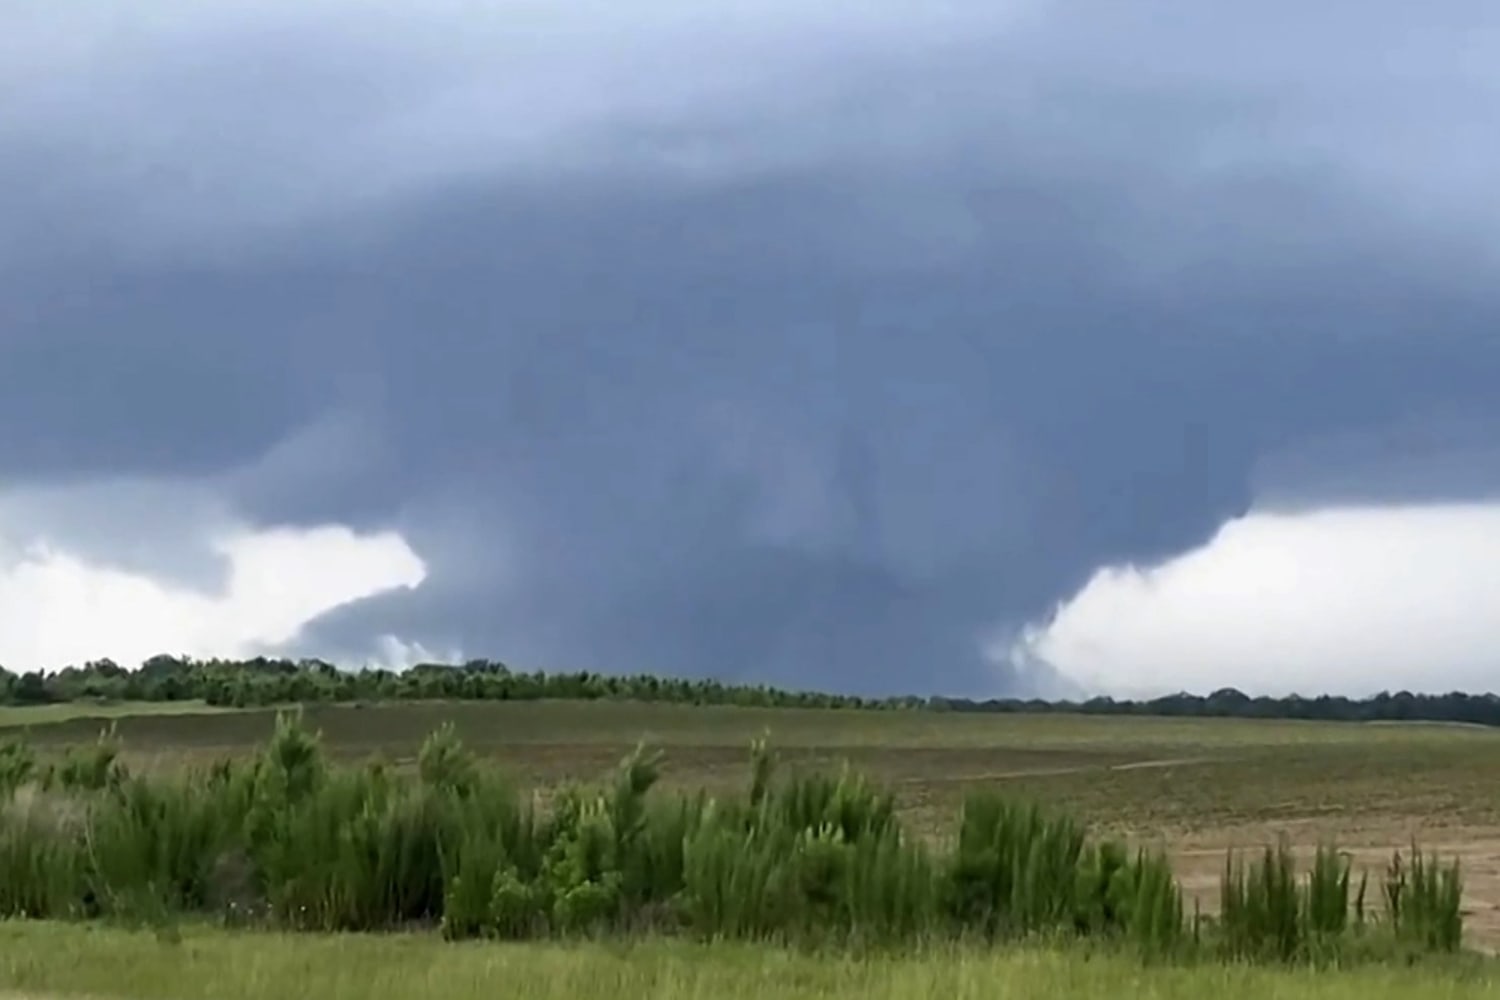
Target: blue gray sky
982,348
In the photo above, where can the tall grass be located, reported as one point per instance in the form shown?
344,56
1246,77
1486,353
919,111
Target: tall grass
285,839
1267,911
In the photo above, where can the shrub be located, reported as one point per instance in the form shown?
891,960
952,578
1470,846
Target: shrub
1424,901
810,858
1267,912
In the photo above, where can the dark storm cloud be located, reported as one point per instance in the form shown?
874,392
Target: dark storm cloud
821,380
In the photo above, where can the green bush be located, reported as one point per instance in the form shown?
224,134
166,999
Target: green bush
1424,901
285,839
1267,912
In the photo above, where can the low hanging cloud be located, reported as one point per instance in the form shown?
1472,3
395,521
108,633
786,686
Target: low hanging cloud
801,344
1344,600
65,602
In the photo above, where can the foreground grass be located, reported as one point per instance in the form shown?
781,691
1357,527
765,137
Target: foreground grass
55,960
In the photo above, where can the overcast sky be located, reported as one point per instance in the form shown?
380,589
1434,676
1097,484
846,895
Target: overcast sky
967,347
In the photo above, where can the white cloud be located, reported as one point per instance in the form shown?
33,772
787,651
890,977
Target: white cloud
1343,601
58,607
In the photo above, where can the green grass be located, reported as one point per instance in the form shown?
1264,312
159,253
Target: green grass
39,960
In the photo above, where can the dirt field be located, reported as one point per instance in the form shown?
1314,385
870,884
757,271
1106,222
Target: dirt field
1194,786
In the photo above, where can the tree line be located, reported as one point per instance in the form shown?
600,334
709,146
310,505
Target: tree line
264,682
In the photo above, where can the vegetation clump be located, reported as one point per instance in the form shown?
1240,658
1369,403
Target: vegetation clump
289,840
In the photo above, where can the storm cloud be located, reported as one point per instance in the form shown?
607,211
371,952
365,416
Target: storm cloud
849,346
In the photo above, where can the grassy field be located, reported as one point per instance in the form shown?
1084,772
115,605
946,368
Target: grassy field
11,715
42,960
1191,786
1184,778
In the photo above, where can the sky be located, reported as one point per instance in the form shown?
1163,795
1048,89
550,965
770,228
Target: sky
978,348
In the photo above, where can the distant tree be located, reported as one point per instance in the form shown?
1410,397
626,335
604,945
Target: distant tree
266,681
31,689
